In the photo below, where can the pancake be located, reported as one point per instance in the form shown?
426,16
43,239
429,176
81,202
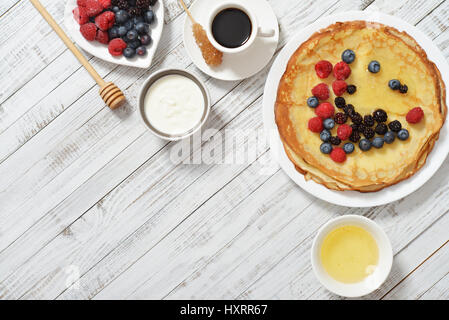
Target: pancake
401,58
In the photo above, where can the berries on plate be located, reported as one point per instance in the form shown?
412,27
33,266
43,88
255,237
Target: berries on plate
313,102
348,56
315,124
389,137
338,155
321,91
374,66
325,135
340,102
380,116
116,47
342,71
403,134
378,142
365,145
395,126
339,87
415,115
325,110
348,148
89,31
329,123
323,69
344,131
326,148
394,84
351,89
340,118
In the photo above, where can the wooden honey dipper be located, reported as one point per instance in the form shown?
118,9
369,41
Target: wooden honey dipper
109,92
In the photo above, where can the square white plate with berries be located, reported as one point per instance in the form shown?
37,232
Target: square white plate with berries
353,198
101,51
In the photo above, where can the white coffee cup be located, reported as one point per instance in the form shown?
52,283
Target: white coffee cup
256,31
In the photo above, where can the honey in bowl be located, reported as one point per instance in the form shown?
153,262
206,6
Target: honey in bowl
349,254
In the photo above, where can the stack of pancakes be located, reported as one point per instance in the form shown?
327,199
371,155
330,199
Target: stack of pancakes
400,58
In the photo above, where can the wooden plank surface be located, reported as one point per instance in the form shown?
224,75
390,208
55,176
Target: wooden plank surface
91,192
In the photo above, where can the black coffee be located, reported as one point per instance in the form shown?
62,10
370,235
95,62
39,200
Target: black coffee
231,28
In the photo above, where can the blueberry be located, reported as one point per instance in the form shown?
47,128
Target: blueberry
113,32
313,102
149,16
364,145
129,52
136,20
122,31
142,28
132,35
146,39
403,134
348,147
141,51
348,56
134,44
394,84
329,123
121,17
378,142
115,9
325,135
326,148
374,66
389,137
129,25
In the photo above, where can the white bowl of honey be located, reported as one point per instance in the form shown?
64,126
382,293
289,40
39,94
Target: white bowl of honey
351,256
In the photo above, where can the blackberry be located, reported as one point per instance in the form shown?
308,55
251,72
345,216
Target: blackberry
153,2
134,11
369,133
356,118
143,4
362,128
381,128
395,126
355,127
403,88
368,121
349,109
335,141
122,4
351,89
340,118
355,136
380,116
340,102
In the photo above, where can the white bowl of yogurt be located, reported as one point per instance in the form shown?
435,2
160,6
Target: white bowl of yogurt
174,104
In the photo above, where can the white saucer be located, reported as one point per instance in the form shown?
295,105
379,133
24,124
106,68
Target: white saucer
353,198
236,66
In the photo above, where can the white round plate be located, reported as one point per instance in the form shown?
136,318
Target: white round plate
100,50
236,66
353,198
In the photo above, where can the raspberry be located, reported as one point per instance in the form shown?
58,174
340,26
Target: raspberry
325,110
321,91
93,7
116,47
342,71
339,87
315,124
80,15
105,20
89,31
344,131
323,69
81,3
102,36
340,118
338,155
105,3
415,115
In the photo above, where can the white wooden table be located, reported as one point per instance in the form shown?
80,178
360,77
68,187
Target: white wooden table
91,206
